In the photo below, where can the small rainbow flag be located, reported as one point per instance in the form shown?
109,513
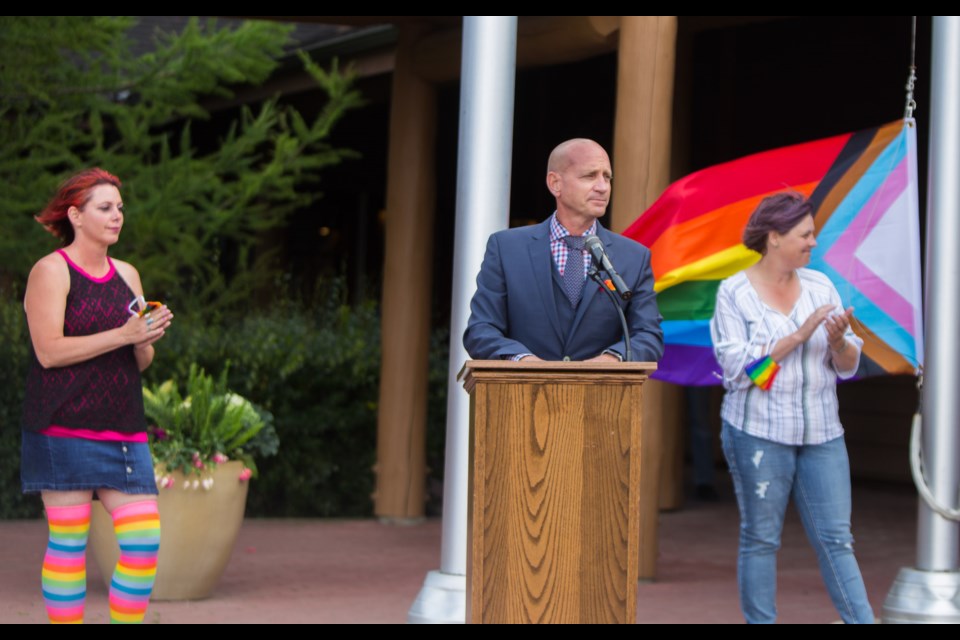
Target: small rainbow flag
863,187
762,371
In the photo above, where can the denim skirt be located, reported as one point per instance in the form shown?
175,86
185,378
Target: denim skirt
74,464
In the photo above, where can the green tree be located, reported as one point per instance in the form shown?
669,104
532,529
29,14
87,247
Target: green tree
73,94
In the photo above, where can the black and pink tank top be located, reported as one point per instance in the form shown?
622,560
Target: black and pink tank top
100,394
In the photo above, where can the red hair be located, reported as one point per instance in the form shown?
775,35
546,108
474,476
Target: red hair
74,192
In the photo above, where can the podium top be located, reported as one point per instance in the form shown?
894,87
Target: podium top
540,371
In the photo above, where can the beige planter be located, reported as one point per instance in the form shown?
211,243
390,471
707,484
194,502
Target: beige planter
198,530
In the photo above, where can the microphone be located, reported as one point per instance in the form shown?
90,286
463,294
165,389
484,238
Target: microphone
594,245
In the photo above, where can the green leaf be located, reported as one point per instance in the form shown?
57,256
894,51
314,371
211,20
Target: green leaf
75,93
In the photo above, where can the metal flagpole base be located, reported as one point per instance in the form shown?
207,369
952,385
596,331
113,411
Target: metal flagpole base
442,600
923,597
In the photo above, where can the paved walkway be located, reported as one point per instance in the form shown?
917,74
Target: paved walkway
359,571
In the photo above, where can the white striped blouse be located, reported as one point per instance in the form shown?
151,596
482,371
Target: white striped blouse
801,406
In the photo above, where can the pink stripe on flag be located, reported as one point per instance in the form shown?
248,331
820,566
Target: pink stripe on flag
842,255
881,200
882,295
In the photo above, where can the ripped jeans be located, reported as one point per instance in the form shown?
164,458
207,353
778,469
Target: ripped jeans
765,475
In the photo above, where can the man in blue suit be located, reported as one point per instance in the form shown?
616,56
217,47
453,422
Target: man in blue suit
533,300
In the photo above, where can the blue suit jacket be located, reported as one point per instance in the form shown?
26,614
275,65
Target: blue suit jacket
515,310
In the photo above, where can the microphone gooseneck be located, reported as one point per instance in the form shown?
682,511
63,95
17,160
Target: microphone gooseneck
594,245
594,274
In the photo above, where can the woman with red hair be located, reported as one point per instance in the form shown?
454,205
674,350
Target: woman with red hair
84,430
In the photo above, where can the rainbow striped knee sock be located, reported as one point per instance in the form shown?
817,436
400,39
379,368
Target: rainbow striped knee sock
138,532
64,577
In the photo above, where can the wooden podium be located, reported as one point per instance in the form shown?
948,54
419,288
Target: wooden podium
554,489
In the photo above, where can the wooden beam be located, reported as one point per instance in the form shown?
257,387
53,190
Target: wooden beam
541,41
405,324
641,169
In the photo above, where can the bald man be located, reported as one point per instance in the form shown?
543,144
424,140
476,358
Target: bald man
533,298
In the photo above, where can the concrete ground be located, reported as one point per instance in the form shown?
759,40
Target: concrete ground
360,571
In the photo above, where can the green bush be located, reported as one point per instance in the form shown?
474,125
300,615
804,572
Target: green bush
315,369
14,354
437,418
80,91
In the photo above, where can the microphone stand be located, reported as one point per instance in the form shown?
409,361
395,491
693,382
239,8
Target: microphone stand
594,274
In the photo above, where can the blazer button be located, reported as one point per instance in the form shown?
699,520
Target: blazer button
566,358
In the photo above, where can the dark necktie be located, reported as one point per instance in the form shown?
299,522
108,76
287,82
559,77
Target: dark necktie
573,272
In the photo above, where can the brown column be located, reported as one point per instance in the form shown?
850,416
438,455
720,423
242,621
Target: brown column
641,143
405,325
641,169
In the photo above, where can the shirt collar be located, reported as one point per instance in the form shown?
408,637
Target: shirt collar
558,231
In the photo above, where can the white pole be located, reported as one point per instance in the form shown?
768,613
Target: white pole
931,592
483,206
938,540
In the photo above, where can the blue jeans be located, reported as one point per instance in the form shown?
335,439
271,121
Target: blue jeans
765,475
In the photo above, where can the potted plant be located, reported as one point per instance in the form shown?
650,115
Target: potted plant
203,445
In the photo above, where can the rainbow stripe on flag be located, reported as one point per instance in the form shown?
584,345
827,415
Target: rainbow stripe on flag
863,187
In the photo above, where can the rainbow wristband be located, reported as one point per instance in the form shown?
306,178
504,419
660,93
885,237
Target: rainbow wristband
762,371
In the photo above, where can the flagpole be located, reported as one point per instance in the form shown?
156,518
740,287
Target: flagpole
484,154
930,593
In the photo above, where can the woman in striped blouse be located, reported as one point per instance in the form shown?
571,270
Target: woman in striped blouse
783,338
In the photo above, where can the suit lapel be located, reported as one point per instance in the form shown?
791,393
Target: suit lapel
541,265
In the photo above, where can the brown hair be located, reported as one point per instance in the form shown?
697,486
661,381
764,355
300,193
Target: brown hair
779,212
